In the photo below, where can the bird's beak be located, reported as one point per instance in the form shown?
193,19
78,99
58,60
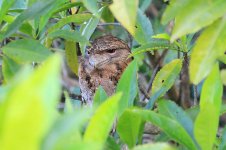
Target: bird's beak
97,61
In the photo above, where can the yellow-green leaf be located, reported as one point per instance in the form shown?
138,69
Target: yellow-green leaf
125,11
210,104
209,46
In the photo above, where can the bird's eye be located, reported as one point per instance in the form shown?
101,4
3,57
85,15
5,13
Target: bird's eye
111,50
88,52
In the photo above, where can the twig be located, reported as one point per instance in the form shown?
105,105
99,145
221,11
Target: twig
195,95
107,24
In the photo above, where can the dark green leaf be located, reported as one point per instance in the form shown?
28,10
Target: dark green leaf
222,145
5,5
91,5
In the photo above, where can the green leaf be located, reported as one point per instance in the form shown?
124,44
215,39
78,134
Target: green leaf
171,110
210,103
164,79
143,31
71,56
91,5
192,16
34,97
208,47
153,44
128,86
107,16
36,10
5,5
88,29
129,128
100,96
222,59
157,146
68,35
26,50
111,144
125,12
222,145
66,131
161,36
76,18
172,128
223,76
9,68
102,121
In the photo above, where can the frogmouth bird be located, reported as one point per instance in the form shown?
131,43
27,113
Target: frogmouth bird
103,64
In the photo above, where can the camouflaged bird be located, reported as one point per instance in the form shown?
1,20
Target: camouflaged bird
103,64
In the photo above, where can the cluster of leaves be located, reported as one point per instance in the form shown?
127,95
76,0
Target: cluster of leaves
29,95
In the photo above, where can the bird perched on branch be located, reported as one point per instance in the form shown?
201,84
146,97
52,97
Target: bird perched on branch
103,64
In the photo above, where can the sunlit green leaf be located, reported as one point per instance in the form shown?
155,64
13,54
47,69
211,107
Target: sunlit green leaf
71,56
191,16
102,121
164,79
5,5
210,103
30,108
26,50
125,12
128,85
209,46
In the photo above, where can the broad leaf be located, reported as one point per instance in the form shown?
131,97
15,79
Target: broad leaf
36,10
172,128
143,28
88,29
77,18
26,50
125,12
5,5
66,131
128,85
129,128
208,48
164,79
210,104
91,5
68,35
144,4
34,97
100,96
191,16
171,110
71,56
223,76
102,121
9,68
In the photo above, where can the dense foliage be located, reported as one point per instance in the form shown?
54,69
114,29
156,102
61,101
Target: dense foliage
179,50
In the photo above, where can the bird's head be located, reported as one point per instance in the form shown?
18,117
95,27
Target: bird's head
107,50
